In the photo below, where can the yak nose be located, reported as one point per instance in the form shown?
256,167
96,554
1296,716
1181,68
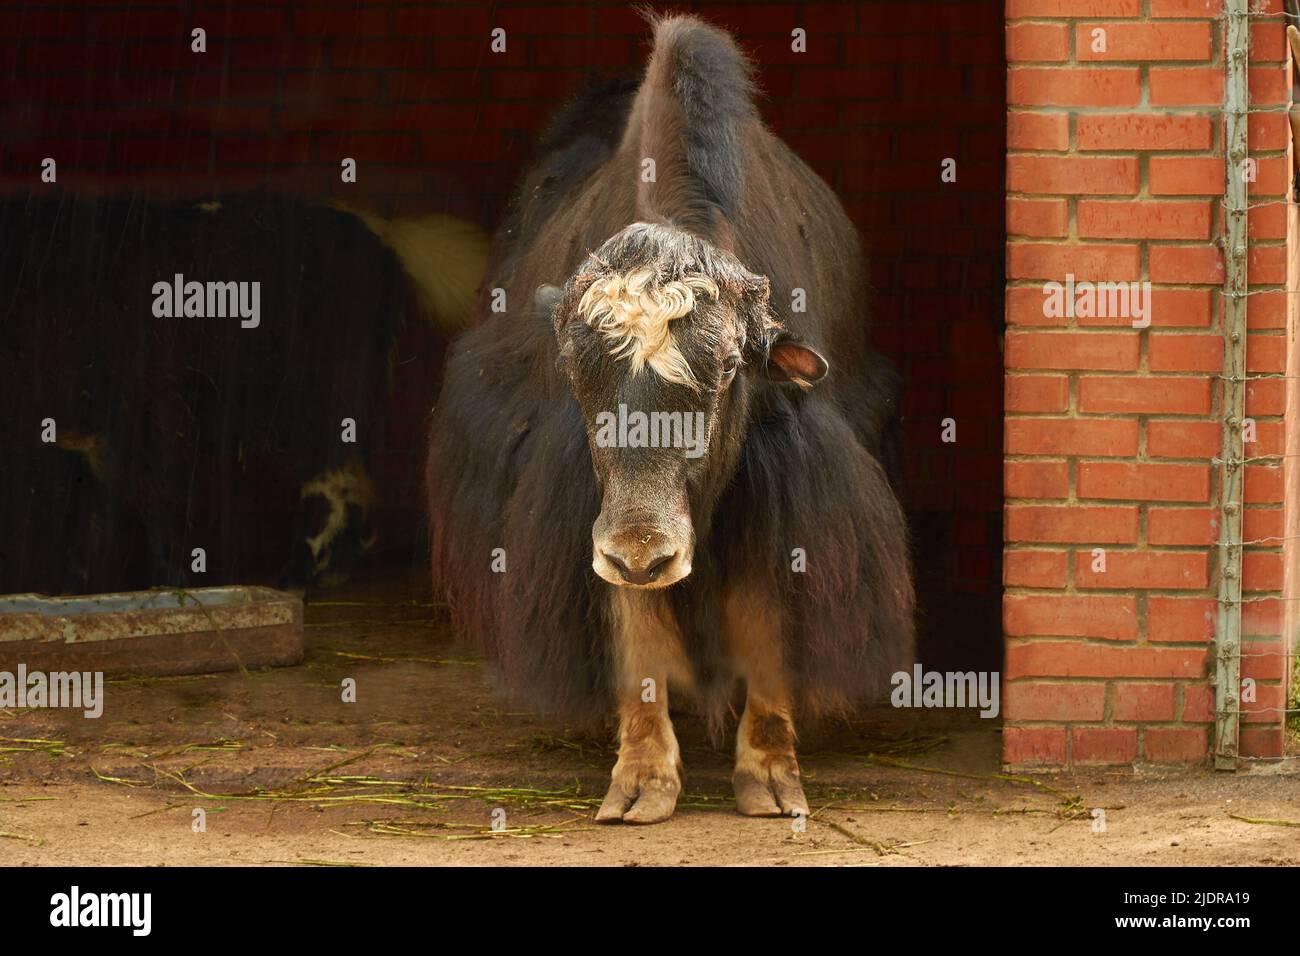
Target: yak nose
639,556
634,574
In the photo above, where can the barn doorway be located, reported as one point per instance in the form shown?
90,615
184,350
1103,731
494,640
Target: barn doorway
900,110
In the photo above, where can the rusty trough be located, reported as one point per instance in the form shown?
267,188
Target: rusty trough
152,632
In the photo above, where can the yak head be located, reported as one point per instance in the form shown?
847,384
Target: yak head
664,339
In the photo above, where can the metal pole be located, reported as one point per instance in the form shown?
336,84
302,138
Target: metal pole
1227,643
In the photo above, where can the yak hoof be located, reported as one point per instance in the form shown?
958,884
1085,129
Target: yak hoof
779,795
650,801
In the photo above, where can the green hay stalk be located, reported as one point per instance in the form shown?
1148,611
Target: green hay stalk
1266,822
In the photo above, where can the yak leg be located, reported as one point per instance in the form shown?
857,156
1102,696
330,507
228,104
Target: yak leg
766,778
647,777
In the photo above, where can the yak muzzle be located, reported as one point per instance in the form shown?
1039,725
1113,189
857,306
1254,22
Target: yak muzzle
640,556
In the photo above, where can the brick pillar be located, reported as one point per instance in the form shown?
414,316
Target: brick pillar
1115,173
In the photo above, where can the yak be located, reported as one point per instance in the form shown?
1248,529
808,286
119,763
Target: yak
670,271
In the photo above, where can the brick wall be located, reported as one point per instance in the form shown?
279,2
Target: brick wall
438,123
1115,172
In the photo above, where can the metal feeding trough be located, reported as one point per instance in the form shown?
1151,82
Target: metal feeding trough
152,632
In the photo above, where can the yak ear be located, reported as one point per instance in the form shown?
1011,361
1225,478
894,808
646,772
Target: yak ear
789,360
545,299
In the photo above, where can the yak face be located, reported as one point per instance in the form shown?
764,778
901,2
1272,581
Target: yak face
660,336
334,530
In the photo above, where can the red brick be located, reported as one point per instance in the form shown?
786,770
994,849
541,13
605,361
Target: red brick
1026,304
264,150
1033,746
864,81
1270,701
1183,439
349,22
1025,9
1066,436
1185,176
1037,42
1144,41
1110,351
1072,175
1071,524
1144,219
1036,393
1268,42
551,20
1134,394
368,148
1271,177
1103,745
1038,218
1261,741
868,49
1036,479
534,84
820,18
384,54
1039,700
1180,619
1167,308
1263,661
1110,262
1186,8
1087,659
1266,265
1268,131
1261,571
1262,523
1038,131
1145,131
1184,353
1186,86
314,86
1198,704
1266,222
1182,526
1142,570
1145,702
1126,481
1263,484
1267,310
1189,265
143,153
1073,86
1059,615
278,54
1262,618
1269,86
79,23
1175,745
1265,353
1034,569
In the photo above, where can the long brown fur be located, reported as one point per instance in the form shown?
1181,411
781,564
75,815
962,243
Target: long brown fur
509,462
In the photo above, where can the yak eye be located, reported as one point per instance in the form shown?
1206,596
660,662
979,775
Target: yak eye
730,365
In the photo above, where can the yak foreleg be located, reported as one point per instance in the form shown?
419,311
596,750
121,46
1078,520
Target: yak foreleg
647,777
766,778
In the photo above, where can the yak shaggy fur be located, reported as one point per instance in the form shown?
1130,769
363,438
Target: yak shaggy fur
510,464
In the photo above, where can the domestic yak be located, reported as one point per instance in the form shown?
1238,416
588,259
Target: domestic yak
654,474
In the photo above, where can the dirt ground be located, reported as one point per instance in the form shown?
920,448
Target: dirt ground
429,757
